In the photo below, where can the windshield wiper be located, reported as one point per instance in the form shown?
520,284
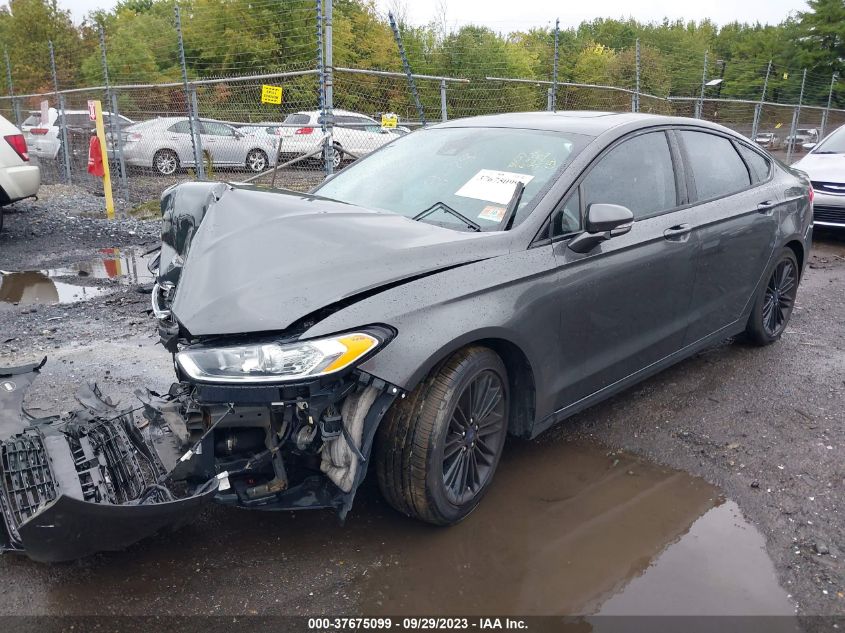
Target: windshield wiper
442,205
510,212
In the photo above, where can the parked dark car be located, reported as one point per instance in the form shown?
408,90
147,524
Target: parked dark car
480,278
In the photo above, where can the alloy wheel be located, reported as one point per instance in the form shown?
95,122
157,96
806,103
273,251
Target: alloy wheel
165,163
256,161
474,437
780,297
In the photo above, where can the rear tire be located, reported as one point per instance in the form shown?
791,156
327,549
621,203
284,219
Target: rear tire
257,161
166,162
438,449
775,300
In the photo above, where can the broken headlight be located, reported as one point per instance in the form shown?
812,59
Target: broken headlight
274,362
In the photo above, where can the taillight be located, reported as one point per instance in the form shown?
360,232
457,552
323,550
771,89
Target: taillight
305,130
40,131
133,137
812,195
18,143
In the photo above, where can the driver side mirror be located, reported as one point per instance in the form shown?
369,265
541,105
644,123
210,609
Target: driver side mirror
603,222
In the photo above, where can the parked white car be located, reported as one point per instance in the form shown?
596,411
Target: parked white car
357,133
18,178
45,141
165,145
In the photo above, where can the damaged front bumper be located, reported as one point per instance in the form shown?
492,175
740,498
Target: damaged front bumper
102,478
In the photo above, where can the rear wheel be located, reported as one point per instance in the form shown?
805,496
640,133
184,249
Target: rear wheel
256,161
439,448
336,154
166,162
775,301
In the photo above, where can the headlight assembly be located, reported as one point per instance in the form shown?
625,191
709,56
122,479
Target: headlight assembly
276,362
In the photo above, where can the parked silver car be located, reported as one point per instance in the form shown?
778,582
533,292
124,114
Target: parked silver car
824,166
165,145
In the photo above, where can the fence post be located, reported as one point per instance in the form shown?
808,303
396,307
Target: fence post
444,114
321,74
15,108
796,120
62,120
758,109
553,98
407,68
114,122
825,114
699,107
635,102
190,102
329,79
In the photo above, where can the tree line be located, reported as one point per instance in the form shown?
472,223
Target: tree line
236,37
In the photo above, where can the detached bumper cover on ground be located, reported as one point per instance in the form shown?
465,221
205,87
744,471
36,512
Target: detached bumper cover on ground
82,483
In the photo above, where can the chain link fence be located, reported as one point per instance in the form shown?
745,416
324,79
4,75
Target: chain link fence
208,121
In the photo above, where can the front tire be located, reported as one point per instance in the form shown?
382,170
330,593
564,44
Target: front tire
438,449
775,301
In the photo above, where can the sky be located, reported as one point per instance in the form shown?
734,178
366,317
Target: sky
509,15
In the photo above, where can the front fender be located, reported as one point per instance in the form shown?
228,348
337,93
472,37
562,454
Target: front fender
508,298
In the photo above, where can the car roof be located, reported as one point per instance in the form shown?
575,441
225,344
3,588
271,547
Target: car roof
588,122
335,111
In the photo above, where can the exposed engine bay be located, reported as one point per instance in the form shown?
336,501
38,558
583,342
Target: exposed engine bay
103,477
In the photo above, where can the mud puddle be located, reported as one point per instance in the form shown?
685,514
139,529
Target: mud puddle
570,529
53,286
566,529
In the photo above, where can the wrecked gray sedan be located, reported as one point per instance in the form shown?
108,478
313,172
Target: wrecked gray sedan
479,278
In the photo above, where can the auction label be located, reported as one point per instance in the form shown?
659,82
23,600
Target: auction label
416,624
492,185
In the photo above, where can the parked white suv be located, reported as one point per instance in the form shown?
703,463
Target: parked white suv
18,179
355,132
45,141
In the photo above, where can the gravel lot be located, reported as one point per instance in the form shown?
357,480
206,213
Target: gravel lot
763,425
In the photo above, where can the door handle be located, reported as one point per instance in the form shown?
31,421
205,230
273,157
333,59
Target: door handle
677,232
766,206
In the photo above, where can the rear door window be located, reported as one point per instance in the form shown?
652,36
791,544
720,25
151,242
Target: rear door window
638,174
758,165
716,167
182,127
217,129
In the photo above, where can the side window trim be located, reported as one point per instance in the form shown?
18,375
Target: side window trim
679,165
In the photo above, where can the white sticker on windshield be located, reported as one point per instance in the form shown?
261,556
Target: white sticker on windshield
492,185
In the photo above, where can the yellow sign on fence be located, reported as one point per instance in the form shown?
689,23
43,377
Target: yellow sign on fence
389,120
271,94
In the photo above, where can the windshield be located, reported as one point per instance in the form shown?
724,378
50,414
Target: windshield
474,171
833,144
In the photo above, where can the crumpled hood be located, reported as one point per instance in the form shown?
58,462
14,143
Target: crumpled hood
823,167
261,260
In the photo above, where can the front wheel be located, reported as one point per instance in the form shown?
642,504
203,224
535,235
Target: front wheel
438,448
775,301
